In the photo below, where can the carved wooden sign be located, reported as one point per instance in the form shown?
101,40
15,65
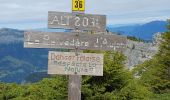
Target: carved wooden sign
69,63
78,21
72,41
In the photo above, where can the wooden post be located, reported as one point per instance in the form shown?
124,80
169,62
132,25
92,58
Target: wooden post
74,85
74,90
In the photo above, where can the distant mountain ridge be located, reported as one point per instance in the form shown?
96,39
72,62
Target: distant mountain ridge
16,62
144,31
8,36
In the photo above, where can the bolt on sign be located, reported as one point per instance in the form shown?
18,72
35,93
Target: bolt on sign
68,63
76,21
78,5
72,41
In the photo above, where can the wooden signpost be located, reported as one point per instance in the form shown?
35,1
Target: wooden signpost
74,85
68,63
79,21
75,64
71,40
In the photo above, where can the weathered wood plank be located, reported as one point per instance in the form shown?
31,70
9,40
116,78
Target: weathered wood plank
78,21
68,63
74,90
72,41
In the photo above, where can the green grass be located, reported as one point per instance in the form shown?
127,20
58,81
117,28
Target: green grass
165,96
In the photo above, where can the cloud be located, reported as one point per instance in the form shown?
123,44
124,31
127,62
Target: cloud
21,10
117,11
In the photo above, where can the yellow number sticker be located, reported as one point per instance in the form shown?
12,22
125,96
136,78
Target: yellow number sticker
78,5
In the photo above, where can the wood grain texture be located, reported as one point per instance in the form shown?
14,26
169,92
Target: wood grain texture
68,63
71,41
78,21
74,90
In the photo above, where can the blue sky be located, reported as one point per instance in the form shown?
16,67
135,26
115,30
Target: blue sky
31,14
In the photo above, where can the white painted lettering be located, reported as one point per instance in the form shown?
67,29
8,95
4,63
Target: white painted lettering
72,42
93,21
55,20
52,42
85,21
86,44
77,21
66,43
105,41
77,42
68,20
63,19
46,37
37,41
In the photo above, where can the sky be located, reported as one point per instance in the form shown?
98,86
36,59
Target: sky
32,14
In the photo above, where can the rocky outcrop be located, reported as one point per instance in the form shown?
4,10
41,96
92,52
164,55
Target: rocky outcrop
138,52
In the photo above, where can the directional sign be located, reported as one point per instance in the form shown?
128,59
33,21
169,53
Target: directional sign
78,5
78,21
72,41
70,64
